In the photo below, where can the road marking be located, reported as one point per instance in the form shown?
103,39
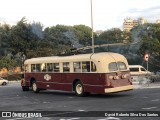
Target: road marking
70,97
155,100
16,119
110,118
149,108
145,97
45,102
81,110
73,119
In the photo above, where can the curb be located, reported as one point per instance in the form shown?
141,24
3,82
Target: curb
151,87
137,86
15,81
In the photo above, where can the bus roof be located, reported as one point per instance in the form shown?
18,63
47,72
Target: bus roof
81,57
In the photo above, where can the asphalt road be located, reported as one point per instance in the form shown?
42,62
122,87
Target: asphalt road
12,98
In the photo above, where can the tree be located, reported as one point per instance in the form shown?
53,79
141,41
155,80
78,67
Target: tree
113,35
7,62
4,36
83,33
22,37
126,36
37,29
151,40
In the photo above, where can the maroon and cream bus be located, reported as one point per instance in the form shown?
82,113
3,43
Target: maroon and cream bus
85,73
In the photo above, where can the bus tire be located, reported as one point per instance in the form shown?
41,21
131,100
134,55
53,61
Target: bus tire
24,88
79,89
35,87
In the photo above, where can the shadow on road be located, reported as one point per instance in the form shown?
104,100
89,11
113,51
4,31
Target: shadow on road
72,94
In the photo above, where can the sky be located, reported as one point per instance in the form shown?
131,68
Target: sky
107,14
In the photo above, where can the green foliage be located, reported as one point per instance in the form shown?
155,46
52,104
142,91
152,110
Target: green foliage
151,46
127,37
4,36
7,62
22,37
150,39
32,40
37,29
84,34
56,35
113,35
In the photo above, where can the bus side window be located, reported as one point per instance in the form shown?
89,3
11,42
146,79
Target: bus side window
56,67
77,66
50,67
38,67
43,67
86,66
93,67
66,67
33,68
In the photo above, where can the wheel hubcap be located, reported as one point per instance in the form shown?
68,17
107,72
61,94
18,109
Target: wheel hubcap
34,87
79,88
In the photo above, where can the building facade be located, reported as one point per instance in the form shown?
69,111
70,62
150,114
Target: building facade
130,23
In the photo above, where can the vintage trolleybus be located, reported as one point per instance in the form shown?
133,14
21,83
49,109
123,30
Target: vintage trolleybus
85,73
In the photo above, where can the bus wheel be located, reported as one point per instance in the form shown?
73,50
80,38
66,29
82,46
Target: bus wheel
24,88
79,89
34,87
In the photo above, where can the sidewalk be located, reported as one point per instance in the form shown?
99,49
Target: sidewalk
147,85
141,82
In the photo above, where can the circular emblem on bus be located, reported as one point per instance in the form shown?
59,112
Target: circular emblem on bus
47,77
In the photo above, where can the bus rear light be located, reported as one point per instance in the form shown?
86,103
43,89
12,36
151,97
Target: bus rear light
111,77
115,77
124,76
